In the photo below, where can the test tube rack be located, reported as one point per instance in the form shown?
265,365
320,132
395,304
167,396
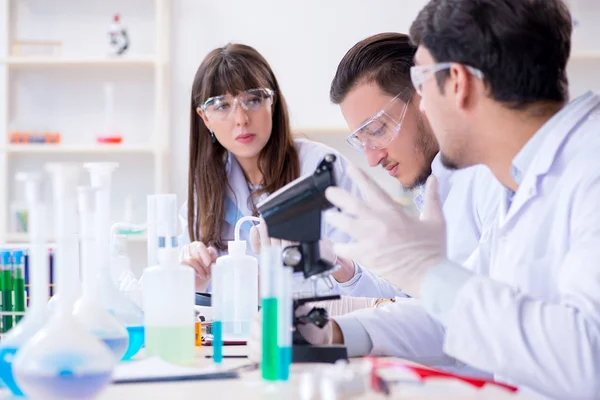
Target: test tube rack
8,317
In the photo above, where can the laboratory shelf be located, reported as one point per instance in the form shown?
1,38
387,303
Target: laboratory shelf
319,131
23,238
586,55
58,61
33,148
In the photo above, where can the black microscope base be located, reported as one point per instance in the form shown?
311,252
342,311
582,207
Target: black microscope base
318,354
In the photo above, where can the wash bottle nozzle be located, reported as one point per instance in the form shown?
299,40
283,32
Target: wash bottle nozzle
239,223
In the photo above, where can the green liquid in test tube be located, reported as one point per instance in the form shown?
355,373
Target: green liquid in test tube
6,290
19,283
270,350
270,264
2,330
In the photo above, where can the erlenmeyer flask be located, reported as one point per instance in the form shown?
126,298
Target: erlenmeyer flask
88,310
63,360
36,316
116,303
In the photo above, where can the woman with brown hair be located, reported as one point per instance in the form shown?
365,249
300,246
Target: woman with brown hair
241,150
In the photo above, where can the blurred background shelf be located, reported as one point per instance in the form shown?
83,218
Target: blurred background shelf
62,88
19,237
58,61
585,55
35,148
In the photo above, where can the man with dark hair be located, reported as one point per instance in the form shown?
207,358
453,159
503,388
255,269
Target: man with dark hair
492,80
373,88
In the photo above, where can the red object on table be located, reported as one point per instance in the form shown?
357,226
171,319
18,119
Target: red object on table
424,373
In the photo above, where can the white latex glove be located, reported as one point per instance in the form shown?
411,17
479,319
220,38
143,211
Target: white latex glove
389,241
200,258
326,250
310,332
260,235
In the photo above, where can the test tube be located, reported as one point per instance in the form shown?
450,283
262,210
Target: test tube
6,289
270,264
19,283
285,321
217,303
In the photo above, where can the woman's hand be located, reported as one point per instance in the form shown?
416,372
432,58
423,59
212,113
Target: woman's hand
199,257
259,236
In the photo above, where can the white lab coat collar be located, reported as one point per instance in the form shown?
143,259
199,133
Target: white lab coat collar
443,175
524,158
541,163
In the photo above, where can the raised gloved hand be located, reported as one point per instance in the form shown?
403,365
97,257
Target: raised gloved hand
389,241
310,332
199,257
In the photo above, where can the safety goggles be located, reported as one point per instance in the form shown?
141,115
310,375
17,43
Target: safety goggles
419,74
222,107
379,131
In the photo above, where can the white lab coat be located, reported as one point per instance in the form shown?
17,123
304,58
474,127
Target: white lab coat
237,205
470,204
532,314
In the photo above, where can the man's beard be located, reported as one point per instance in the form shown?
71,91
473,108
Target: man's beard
428,147
448,163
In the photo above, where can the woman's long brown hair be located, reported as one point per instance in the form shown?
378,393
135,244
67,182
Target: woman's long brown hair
232,69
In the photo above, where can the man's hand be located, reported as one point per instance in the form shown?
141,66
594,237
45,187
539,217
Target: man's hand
346,267
388,240
329,334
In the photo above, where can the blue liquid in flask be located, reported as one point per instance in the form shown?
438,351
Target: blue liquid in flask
136,341
66,384
7,355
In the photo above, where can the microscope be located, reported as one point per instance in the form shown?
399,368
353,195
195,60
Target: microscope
294,213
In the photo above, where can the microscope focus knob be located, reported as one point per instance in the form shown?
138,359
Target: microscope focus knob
292,256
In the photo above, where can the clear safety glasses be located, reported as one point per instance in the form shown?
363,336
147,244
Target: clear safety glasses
379,131
419,74
222,107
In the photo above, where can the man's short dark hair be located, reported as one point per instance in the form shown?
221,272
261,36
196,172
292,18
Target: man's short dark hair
521,46
384,59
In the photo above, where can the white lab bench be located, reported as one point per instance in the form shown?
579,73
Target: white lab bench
250,386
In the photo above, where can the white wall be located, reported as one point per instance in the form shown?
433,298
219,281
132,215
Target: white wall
304,41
